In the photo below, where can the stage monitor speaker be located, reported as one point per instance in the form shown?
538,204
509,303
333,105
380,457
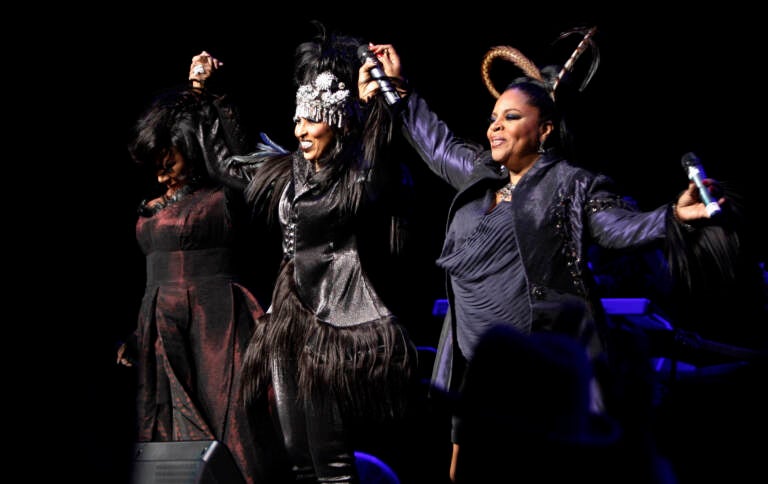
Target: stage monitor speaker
184,462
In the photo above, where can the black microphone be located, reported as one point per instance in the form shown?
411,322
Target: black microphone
377,72
692,166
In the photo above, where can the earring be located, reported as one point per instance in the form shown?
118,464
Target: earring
541,149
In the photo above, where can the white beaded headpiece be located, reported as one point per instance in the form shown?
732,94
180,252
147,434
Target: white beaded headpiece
323,100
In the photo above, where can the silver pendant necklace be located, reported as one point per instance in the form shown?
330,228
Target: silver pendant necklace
505,192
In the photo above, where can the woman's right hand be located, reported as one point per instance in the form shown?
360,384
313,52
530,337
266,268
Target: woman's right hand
202,67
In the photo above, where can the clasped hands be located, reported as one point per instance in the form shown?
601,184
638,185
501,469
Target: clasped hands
367,86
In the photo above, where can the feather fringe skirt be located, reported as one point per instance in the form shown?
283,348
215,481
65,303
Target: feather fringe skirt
367,368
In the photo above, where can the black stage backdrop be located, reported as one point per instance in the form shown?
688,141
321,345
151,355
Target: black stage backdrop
668,83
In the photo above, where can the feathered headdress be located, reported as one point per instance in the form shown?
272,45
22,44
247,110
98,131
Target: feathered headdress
326,74
529,68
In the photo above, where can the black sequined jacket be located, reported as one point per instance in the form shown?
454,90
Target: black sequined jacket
319,236
327,311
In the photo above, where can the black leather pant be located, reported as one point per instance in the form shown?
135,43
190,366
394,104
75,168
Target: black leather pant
313,431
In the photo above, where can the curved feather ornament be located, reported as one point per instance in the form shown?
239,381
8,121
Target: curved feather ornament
529,68
510,54
586,41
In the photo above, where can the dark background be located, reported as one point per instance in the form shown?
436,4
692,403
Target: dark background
669,82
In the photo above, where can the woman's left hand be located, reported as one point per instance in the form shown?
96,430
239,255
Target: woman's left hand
122,356
689,205
389,61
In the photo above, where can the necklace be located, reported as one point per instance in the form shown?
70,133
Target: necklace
165,200
505,193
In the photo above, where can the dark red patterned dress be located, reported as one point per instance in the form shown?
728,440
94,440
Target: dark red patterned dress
194,323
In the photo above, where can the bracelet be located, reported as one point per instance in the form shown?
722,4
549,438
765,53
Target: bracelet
688,227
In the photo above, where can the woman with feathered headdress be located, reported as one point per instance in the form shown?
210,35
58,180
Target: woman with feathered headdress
524,215
330,348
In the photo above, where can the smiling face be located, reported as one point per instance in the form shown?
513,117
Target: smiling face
516,131
315,138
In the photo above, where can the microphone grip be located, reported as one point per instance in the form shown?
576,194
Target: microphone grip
391,96
387,89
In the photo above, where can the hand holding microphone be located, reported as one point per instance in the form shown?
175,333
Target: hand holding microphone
695,171
386,86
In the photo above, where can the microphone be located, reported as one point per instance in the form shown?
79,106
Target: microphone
692,166
377,72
